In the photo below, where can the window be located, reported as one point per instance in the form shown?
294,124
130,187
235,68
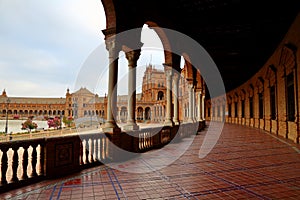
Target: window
290,97
235,109
243,108
229,110
213,112
219,112
273,102
260,105
251,106
208,112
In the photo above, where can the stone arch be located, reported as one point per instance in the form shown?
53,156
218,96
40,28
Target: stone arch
140,111
123,114
160,95
147,113
188,68
164,40
109,9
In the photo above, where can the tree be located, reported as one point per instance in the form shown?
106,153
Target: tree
29,124
68,121
53,122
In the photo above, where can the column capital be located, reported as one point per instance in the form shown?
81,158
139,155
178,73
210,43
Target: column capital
191,86
112,47
176,77
132,57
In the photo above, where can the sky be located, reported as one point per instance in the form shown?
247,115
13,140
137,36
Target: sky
46,45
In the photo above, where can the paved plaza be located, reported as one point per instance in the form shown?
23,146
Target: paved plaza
246,163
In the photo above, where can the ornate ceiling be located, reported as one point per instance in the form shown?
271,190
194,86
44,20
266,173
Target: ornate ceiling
240,35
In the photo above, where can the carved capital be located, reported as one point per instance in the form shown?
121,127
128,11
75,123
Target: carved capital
132,57
176,77
111,47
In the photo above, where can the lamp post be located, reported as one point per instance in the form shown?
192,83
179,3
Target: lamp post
61,119
6,123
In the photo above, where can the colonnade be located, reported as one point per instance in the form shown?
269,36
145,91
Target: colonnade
169,113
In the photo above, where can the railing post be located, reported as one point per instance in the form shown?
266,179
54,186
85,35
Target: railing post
15,164
42,159
81,153
92,149
25,162
4,165
34,160
87,151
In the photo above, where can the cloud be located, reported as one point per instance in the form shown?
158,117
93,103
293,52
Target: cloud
45,44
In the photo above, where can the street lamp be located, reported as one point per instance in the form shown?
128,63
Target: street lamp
61,119
6,123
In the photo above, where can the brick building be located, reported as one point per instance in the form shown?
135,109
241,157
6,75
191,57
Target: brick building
150,105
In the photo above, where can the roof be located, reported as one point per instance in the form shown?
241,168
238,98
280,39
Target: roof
33,100
239,35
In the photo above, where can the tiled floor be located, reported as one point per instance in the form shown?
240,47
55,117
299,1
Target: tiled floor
245,164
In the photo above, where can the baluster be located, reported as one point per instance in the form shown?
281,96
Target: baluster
102,148
96,149
4,165
33,160
81,153
87,151
92,149
25,162
106,148
15,164
42,158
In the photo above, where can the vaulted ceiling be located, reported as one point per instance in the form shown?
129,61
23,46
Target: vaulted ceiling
240,35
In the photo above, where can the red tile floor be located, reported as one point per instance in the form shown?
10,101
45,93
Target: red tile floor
246,163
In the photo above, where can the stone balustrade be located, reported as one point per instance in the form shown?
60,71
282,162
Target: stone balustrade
27,161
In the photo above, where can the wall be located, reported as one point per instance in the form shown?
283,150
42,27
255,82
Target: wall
274,91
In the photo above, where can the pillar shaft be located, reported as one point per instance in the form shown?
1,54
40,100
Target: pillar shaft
132,57
168,117
203,111
191,105
199,102
110,124
176,103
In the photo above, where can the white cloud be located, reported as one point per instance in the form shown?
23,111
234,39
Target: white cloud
45,44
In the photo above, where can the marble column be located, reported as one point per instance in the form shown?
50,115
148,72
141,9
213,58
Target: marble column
194,104
110,124
160,113
176,103
203,104
132,57
199,107
168,119
191,105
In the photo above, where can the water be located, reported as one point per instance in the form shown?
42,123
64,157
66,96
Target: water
16,125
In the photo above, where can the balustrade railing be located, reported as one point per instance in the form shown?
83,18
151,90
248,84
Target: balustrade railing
23,161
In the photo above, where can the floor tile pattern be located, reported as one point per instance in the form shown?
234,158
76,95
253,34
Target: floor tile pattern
246,163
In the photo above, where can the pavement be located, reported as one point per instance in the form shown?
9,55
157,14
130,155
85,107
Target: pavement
246,163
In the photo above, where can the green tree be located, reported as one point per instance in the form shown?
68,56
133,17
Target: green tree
29,125
68,121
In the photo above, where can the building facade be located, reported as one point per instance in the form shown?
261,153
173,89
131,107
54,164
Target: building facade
150,103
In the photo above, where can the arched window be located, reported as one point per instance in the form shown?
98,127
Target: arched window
160,95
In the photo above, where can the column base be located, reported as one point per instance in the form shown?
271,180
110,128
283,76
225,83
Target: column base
131,127
176,123
110,127
168,123
190,121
